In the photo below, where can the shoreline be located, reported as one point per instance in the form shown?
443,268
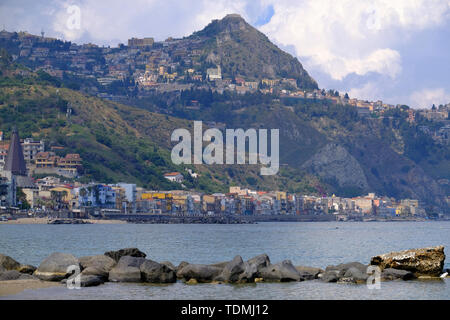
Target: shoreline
46,221
12,287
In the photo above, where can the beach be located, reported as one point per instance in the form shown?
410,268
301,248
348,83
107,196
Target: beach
11,287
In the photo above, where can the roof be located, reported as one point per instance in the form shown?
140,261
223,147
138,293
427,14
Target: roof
15,162
171,174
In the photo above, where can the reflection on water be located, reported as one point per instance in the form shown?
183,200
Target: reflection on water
314,244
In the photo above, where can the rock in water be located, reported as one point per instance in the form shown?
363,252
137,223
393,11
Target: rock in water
424,261
354,272
127,270
232,271
99,265
199,272
8,263
155,272
26,268
133,252
54,268
283,272
309,273
394,274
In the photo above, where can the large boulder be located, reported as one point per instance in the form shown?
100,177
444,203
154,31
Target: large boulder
133,252
169,265
395,274
155,272
253,267
283,272
55,267
8,263
309,273
199,272
127,270
180,267
425,261
232,271
98,265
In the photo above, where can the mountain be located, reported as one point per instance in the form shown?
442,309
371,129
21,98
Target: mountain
241,50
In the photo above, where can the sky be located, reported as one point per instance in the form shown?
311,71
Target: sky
396,51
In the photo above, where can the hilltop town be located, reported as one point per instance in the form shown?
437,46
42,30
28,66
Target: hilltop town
145,67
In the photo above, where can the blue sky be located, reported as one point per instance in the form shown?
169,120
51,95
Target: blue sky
395,51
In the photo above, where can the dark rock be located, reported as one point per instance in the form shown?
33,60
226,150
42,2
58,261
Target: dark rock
169,265
90,280
180,267
283,271
26,268
309,273
329,276
199,272
10,275
85,280
424,261
127,270
354,272
155,272
259,262
54,268
394,274
133,252
8,263
232,271
354,275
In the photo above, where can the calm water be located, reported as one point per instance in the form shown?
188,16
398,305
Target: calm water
312,244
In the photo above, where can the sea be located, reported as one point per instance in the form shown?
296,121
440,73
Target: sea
316,244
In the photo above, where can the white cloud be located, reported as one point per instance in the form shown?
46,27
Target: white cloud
118,20
351,36
425,98
369,91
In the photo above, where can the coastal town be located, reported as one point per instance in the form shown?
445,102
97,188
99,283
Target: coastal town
55,195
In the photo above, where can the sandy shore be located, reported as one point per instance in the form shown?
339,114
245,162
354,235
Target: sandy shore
11,287
46,220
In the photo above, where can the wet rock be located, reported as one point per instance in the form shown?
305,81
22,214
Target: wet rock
55,267
127,270
133,252
154,272
253,267
395,274
329,276
425,261
199,272
283,272
354,275
232,271
309,273
180,267
354,272
26,268
169,265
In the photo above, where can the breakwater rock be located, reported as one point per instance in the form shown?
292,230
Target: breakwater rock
421,262
132,265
